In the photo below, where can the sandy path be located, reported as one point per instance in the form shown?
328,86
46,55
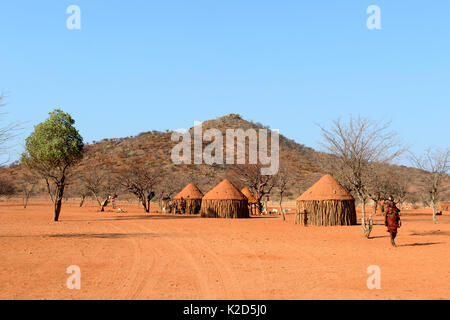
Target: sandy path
139,256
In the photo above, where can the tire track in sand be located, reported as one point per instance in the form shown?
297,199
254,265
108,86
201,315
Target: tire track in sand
228,282
151,275
134,270
204,291
223,271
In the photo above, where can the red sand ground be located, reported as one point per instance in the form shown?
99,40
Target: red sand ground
140,256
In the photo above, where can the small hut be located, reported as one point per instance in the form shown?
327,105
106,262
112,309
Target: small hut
327,203
224,201
252,201
189,200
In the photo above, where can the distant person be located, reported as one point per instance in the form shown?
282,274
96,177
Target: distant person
182,205
392,219
113,201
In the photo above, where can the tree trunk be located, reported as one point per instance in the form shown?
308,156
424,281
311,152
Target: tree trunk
58,199
259,207
281,208
145,205
365,225
433,204
58,204
363,214
25,201
82,200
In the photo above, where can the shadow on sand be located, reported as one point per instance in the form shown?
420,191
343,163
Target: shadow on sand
431,233
377,237
162,217
143,217
419,244
89,235
104,235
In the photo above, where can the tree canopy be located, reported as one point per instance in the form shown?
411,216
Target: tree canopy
55,144
51,149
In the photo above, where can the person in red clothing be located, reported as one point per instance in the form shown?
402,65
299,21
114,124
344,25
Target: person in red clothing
392,219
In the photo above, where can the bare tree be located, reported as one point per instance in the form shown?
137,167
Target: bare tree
98,182
283,181
413,198
26,185
81,190
6,187
251,176
357,144
399,188
377,185
436,165
140,180
170,183
7,132
383,182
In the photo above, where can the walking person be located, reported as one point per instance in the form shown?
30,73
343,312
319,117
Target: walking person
392,219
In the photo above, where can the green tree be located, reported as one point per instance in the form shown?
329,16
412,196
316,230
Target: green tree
51,150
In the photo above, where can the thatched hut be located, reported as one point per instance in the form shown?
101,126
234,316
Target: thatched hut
224,201
327,203
189,200
252,201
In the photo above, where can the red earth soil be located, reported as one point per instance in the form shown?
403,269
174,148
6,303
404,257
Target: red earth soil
135,255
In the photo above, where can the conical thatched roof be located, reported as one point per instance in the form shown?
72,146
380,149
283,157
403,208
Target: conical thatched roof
225,191
327,188
190,192
251,198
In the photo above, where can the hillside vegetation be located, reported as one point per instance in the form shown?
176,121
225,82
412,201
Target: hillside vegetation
153,150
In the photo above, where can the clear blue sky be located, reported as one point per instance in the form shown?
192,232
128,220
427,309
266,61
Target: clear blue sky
140,65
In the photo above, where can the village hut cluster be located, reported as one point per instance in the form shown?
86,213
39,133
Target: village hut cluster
223,201
326,203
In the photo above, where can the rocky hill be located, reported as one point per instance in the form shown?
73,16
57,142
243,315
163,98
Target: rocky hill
153,149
